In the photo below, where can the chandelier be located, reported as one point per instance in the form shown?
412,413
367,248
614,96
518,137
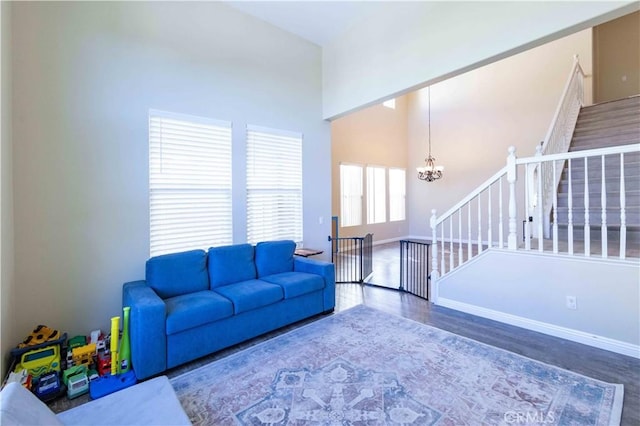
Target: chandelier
430,172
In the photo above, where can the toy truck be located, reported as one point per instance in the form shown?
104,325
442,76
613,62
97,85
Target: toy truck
48,386
77,384
83,355
76,380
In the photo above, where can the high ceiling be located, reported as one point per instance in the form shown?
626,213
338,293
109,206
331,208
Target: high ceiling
317,21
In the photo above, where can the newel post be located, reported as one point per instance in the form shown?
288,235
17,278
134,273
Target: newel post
433,291
512,239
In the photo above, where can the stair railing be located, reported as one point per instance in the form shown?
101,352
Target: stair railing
579,215
558,139
465,223
462,225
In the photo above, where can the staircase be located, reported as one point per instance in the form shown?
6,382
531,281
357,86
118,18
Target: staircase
599,126
589,157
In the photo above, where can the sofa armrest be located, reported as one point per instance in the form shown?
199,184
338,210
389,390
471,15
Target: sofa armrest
147,328
326,270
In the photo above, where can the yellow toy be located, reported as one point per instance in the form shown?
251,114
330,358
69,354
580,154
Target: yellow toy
84,354
39,335
115,332
40,361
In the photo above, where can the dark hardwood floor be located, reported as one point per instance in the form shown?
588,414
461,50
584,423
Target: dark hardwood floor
597,363
600,364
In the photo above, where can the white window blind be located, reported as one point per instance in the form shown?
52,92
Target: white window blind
189,182
351,194
274,185
397,194
376,195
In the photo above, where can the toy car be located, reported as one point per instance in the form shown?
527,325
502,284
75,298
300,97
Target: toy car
93,374
104,363
22,377
48,386
78,384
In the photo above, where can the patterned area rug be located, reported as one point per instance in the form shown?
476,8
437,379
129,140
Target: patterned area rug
367,367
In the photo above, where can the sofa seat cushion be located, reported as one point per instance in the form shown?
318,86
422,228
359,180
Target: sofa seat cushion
251,294
296,284
195,309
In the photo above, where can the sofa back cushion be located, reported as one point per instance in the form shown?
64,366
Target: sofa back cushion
231,264
178,273
274,257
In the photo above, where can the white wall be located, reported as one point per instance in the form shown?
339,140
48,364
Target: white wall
8,308
476,116
85,75
398,49
508,286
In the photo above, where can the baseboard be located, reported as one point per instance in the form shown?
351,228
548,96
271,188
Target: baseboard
596,341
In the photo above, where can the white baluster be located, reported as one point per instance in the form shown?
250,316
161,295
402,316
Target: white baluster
587,227
500,228
555,209
443,266
623,211
512,242
460,260
451,262
570,211
479,223
434,258
529,170
469,248
489,219
603,229
540,219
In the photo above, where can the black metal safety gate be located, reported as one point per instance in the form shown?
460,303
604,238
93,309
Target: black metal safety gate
414,268
352,258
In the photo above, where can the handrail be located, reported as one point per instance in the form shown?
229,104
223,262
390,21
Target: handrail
621,149
558,138
473,194
565,91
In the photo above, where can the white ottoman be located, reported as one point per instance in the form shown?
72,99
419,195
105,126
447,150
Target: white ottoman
153,402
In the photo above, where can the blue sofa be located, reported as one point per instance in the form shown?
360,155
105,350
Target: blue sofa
194,303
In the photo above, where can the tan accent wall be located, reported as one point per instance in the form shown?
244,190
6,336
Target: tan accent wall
616,58
8,334
375,136
475,118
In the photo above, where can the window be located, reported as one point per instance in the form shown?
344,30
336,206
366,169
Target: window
189,182
397,194
274,185
376,195
351,194
391,103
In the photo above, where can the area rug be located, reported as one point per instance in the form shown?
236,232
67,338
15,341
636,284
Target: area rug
366,367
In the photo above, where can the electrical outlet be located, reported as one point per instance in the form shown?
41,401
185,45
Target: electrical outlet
572,302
